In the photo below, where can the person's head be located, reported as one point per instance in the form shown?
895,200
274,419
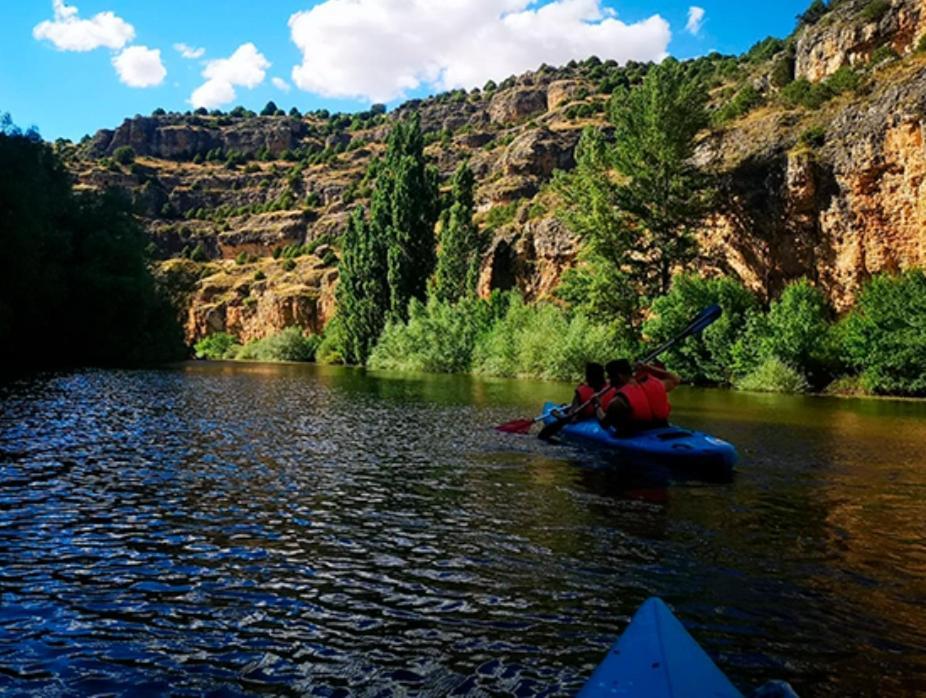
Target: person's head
594,375
619,372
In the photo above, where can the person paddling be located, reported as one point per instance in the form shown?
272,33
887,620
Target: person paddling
657,383
594,383
625,407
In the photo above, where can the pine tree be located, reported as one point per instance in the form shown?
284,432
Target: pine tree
460,244
635,200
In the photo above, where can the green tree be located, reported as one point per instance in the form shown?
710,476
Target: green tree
797,330
663,195
363,293
75,287
124,155
814,13
270,109
387,259
403,211
707,358
884,337
460,252
635,201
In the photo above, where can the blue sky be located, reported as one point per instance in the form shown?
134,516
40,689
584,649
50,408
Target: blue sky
94,62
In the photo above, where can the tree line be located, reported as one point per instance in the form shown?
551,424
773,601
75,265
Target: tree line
75,285
634,198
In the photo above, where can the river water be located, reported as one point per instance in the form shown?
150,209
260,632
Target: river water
220,529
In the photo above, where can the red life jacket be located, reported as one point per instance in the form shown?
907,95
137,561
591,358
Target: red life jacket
586,393
607,398
640,411
658,398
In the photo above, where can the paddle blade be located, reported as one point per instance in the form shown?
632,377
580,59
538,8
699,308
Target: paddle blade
705,319
518,426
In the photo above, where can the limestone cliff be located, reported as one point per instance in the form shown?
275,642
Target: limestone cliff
835,192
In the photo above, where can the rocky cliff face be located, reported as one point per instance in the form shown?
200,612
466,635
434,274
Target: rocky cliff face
853,30
848,201
836,213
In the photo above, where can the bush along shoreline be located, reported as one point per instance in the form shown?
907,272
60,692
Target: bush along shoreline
407,295
794,345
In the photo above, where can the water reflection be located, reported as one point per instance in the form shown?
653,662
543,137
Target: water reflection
309,530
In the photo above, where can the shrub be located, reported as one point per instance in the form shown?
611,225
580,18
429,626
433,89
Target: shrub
332,350
813,137
259,275
783,71
289,345
438,337
216,346
744,101
124,155
289,264
843,80
199,253
796,331
774,376
545,341
881,54
884,337
500,215
875,10
242,258
814,13
707,358
921,46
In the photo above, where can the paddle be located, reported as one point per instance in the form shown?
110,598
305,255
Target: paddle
523,426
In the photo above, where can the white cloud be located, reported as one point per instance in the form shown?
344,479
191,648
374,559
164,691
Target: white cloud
246,67
695,20
140,66
70,33
281,84
188,51
379,49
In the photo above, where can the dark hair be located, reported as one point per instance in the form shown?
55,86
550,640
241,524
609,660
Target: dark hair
594,375
618,370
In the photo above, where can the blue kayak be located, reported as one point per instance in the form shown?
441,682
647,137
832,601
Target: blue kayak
657,658
691,453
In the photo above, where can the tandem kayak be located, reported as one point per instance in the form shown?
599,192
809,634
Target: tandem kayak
657,658
691,453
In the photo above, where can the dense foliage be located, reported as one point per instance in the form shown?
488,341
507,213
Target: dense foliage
707,358
884,337
460,243
633,198
388,257
75,286
501,336
288,345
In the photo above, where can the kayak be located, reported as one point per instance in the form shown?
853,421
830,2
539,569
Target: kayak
692,453
657,658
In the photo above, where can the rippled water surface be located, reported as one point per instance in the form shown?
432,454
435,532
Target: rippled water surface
243,529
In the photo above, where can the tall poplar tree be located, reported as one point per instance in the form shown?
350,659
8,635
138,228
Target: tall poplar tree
460,245
404,210
386,259
362,290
